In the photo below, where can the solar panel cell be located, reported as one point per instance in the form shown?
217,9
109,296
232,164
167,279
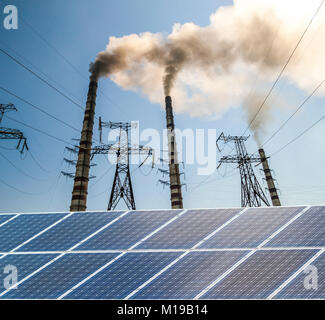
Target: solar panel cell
123,276
190,275
259,275
189,229
70,231
251,228
309,284
59,276
307,230
23,228
129,230
25,264
4,218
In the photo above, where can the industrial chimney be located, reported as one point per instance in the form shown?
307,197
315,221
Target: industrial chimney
269,179
174,175
80,188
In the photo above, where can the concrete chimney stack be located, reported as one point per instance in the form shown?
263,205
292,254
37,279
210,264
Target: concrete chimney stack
174,174
81,179
269,179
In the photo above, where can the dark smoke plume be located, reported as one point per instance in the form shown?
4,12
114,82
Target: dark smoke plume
210,69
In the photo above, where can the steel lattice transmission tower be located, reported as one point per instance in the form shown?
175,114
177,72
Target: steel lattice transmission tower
252,194
12,134
122,183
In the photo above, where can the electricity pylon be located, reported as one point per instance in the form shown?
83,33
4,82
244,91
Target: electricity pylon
165,173
252,194
122,183
12,134
73,163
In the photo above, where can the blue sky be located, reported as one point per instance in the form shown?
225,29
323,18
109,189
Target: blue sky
79,29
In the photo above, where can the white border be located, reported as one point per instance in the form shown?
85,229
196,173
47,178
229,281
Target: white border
154,210
10,219
17,253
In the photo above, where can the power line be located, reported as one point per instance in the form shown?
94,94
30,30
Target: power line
16,189
40,131
39,109
205,181
68,62
40,78
100,178
144,174
45,81
299,136
296,111
25,192
284,67
99,194
18,169
53,48
37,163
53,194
23,58
8,149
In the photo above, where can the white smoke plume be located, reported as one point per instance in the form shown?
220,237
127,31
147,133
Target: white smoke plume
210,69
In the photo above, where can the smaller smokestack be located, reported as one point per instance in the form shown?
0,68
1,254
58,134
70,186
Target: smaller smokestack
269,179
174,175
80,188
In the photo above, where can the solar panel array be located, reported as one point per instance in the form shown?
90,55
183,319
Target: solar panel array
254,253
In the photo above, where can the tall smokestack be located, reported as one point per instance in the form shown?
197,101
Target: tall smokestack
80,188
174,176
269,179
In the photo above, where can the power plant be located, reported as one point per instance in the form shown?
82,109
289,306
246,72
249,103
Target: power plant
252,194
119,189
269,179
174,174
251,191
81,178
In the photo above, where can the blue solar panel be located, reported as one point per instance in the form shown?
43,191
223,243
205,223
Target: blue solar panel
189,229
4,218
190,275
24,227
251,228
307,230
260,274
193,275
70,231
25,263
297,289
129,230
123,276
60,276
